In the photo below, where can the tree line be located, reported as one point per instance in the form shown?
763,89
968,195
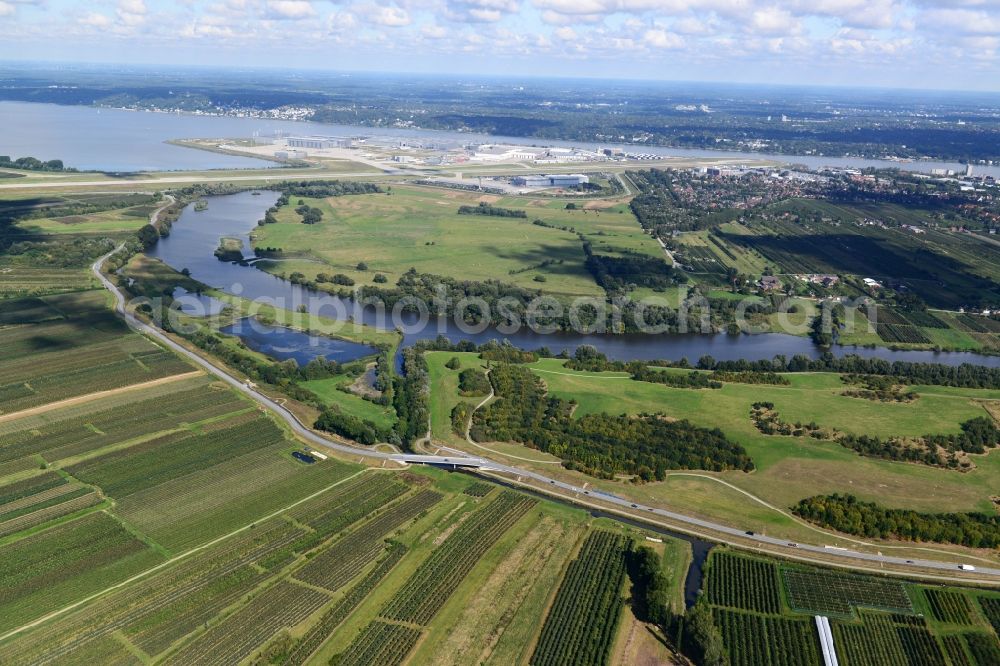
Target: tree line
848,514
493,211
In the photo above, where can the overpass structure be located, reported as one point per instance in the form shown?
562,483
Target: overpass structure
461,460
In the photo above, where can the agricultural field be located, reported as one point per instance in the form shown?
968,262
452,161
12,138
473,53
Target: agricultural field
787,468
472,572
876,621
85,351
864,250
419,227
583,620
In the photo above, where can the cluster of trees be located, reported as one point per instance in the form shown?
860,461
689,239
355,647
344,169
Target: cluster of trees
413,287
846,513
460,415
692,380
473,382
494,211
599,444
749,377
978,435
310,214
337,278
701,639
351,427
60,253
318,189
32,164
618,274
411,398
650,587
878,388
506,353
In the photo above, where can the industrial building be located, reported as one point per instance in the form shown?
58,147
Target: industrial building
319,142
290,154
555,180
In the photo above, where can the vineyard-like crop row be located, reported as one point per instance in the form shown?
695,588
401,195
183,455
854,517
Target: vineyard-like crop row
432,583
736,581
78,499
880,641
924,318
380,643
46,387
954,647
752,639
819,592
900,333
43,571
162,608
700,259
341,562
582,623
340,611
949,606
91,329
75,435
984,649
979,324
189,510
344,511
280,606
884,315
991,608
125,471
478,489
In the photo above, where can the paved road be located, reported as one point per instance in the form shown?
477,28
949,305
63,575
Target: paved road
461,459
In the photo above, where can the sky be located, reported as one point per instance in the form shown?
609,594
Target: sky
940,44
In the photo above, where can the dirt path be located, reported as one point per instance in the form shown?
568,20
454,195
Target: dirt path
90,397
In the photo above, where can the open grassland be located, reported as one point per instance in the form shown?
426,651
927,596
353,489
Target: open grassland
764,610
420,228
787,468
331,392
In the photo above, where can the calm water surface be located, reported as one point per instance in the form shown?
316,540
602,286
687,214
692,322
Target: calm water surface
117,140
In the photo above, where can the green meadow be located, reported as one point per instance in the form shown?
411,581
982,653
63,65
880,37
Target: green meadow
419,227
788,468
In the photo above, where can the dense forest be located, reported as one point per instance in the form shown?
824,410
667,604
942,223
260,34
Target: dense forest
644,447
845,513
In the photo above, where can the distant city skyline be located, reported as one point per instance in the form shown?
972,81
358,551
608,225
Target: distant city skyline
923,44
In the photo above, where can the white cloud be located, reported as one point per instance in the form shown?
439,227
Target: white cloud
566,34
773,21
390,17
434,31
662,39
289,9
95,20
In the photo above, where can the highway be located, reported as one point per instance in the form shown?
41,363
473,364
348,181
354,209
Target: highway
568,491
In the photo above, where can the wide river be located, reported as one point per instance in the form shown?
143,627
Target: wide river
117,140
196,234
